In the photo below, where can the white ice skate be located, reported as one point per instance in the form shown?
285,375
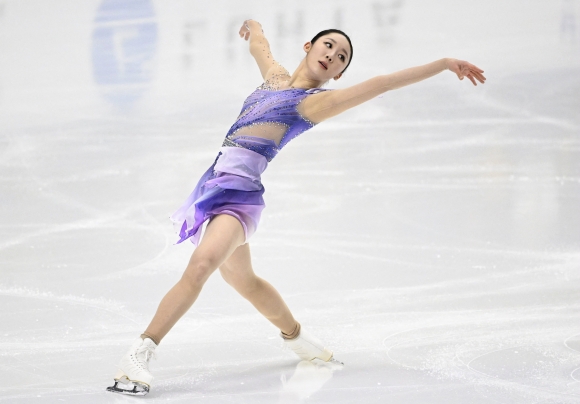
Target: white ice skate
133,376
308,348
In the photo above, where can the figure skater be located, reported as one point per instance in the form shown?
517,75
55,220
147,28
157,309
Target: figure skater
229,193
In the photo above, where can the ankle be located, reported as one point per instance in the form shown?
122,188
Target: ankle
151,337
295,333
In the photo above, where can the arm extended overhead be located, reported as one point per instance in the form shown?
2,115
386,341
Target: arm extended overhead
260,49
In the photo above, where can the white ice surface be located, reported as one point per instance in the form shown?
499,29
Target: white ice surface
430,237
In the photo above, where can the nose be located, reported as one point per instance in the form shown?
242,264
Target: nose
329,58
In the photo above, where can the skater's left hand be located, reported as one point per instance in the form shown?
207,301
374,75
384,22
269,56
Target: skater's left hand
466,69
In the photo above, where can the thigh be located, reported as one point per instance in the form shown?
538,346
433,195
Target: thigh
223,235
238,265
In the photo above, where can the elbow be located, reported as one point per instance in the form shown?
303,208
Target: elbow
385,83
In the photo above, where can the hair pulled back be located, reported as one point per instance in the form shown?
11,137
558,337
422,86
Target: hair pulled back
336,31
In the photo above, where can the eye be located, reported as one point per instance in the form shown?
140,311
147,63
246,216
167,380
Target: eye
341,57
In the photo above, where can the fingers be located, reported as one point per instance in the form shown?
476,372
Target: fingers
470,77
465,69
473,75
480,77
475,68
244,31
477,75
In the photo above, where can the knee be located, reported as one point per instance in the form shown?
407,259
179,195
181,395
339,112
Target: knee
198,271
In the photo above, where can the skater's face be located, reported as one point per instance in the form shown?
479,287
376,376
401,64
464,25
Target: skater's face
328,56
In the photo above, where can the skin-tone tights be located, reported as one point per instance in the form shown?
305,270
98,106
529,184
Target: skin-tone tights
221,246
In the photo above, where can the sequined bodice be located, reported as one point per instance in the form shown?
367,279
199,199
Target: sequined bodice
269,120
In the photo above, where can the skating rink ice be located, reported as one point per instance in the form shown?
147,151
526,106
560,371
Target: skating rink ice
431,237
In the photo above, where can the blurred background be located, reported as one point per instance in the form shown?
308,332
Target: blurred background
430,236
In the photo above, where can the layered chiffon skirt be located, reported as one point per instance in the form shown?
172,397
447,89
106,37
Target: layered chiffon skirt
232,186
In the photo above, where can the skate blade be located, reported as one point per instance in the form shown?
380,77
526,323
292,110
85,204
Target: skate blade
132,388
336,362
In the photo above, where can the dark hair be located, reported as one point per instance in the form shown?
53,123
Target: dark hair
337,31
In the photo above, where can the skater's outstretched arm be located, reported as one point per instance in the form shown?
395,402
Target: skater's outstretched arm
260,49
321,106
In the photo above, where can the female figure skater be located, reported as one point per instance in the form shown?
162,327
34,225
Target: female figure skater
229,194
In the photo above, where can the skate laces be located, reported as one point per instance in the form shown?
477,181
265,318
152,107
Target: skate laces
148,351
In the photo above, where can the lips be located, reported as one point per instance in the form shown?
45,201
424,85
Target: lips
324,65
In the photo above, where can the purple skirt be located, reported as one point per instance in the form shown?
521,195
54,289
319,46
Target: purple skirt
230,186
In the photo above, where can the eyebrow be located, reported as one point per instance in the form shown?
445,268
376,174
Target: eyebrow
344,50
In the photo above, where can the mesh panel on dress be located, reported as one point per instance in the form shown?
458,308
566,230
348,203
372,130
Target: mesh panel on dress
274,131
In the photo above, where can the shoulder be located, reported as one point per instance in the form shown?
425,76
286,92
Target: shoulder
317,99
276,78
276,70
324,105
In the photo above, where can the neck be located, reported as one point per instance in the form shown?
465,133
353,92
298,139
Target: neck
301,78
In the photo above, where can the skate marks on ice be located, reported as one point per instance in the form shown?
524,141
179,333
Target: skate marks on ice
105,229
485,353
500,322
44,332
573,343
462,267
108,306
520,351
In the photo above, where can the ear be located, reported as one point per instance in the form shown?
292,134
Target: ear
307,46
339,75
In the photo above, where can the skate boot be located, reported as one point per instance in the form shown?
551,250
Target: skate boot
133,376
308,348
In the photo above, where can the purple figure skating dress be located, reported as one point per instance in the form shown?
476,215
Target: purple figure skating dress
268,121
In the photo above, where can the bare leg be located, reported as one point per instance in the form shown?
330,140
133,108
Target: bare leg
222,236
237,271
